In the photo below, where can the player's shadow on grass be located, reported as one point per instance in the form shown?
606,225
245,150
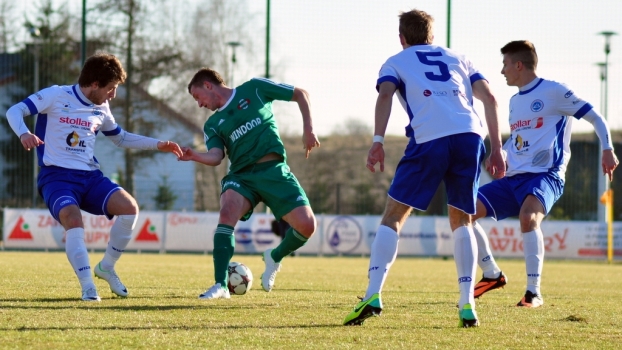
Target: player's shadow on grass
102,306
172,328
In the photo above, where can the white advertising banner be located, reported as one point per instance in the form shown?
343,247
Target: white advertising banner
149,232
190,229
335,235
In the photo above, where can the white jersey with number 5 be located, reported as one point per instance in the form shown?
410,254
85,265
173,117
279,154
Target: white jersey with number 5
540,128
434,87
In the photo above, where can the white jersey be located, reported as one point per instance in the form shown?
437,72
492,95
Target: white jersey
540,127
434,87
68,124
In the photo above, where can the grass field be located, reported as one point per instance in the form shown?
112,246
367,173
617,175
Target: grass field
40,307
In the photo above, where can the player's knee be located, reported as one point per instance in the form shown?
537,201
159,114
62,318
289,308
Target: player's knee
70,218
229,215
528,222
306,227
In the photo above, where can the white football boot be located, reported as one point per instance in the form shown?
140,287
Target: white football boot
216,292
269,274
113,280
90,295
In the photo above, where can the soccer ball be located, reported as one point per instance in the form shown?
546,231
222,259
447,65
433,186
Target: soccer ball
240,278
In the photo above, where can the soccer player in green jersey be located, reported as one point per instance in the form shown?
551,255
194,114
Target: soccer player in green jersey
244,126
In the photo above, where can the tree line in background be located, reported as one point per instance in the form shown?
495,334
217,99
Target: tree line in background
334,176
159,43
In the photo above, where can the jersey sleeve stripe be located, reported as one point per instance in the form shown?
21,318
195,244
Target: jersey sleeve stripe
113,132
31,106
390,78
259,97
581,112
477,76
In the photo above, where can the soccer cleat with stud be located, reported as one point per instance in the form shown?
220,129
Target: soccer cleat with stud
216,292
487,284
90,294
531,300
110,276
269,274
364,310
468,317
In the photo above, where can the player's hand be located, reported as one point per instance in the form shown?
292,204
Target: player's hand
375,155
609,162
187,154
309,140
30,141
495,163
170,146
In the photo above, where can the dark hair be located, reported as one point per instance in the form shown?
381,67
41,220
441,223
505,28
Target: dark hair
523,51
416,27
205,74
102,68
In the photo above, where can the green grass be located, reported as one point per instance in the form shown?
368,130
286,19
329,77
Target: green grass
40,306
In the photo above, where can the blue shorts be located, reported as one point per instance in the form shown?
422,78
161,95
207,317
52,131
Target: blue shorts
453,159
504,197
89,190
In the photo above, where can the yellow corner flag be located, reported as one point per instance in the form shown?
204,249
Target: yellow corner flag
607,197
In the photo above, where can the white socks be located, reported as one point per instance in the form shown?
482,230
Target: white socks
79,257
120,235
485,260
533,247
383,253
465,252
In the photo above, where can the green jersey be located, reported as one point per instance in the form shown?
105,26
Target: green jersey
245,125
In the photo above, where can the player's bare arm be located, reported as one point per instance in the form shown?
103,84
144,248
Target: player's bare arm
609,162
309,139
384,103
495,163
212,157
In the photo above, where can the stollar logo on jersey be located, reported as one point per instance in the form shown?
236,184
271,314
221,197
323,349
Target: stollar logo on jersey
73,140
344,234
243,103
537,105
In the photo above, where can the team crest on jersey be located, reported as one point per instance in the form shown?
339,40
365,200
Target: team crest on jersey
537,106
520,143
97,111
243,103
73,140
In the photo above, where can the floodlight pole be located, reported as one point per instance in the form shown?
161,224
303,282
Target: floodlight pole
234,45
603,182
267,76
448,23
83,44
35,34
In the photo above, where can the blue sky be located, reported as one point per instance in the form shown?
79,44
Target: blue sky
334,50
